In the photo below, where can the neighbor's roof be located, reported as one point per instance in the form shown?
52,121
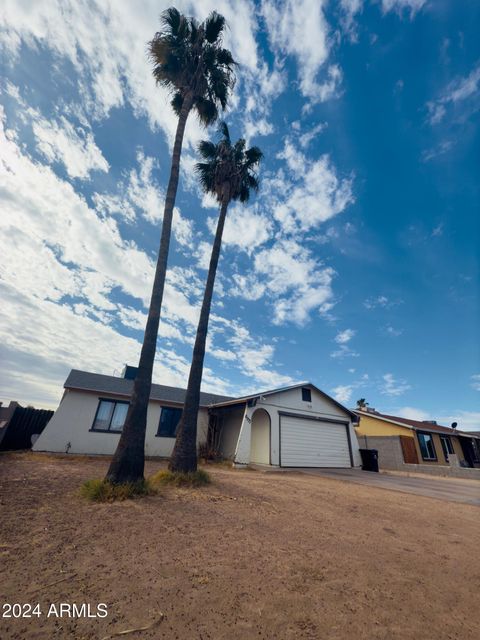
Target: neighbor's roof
418,425
85,381
243,399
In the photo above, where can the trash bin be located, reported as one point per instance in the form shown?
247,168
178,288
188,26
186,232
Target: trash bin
369,459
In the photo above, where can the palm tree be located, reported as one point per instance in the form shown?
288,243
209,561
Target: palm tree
229,173
189,61
361,404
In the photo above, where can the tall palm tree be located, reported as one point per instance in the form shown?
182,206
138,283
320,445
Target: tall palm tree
229,173
189,60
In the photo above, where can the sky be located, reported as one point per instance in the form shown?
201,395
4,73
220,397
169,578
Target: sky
356,267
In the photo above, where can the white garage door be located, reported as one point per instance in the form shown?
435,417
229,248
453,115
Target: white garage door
312,443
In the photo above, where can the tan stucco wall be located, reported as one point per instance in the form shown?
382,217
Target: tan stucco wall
74,417
376,427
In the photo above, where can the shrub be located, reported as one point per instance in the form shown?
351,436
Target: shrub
174,478
99,490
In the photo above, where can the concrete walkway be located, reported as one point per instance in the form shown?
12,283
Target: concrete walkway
450,489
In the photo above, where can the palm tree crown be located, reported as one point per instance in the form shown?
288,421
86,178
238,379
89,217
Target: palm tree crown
229,167
188,59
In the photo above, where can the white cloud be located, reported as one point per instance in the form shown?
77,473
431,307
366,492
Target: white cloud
301,30
342,393
401,5
381,302
459,90
393,387
475,384
413,414
344,336
315,195
466,420
310,135
391,331
245,228
296,281
75,148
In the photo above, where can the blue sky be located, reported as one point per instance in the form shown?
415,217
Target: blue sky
356,266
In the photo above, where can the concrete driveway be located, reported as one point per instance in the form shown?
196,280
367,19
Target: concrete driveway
450,489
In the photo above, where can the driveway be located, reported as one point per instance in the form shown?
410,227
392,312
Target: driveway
450,489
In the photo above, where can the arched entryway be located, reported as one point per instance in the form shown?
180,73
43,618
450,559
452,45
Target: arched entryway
260,437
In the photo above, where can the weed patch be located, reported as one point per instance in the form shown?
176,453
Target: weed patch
197,478
99,490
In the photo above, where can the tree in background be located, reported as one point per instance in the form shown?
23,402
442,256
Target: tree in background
229,173
189,60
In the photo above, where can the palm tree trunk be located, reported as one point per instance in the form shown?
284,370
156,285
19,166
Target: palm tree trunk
128,462
184,456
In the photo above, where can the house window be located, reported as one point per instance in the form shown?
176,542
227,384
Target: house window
169,419
426,446
306,394
476,450
446,446
110,416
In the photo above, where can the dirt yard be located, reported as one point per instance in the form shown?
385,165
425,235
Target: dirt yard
254,555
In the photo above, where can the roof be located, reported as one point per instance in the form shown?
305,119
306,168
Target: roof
85,381
243,399
418,425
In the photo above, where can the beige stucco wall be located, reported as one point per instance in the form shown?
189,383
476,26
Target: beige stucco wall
74,417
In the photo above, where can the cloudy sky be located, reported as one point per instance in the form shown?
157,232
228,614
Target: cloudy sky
355,268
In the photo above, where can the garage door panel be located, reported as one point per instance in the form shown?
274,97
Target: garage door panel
313,443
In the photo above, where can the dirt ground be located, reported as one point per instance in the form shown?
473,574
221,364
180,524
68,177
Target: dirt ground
254,555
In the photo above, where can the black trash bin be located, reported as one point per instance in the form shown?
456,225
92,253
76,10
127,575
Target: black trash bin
369,459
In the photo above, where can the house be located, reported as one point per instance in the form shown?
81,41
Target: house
296,426
402,441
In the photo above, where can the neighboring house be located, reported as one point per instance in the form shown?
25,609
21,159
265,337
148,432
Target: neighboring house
20,426
420,442
298,426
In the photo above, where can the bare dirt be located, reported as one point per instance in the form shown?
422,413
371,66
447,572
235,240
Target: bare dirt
254,555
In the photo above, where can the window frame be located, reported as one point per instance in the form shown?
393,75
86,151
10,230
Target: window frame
430,435
160,435
447,444
113,401
306,391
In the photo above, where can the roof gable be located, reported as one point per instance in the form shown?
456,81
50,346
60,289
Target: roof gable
416,425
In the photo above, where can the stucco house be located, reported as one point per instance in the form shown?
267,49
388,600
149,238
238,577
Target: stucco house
404,441
297,426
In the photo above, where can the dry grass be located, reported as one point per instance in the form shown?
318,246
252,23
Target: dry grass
197,478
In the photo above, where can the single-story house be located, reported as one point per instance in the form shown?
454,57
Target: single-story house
297,426
421,442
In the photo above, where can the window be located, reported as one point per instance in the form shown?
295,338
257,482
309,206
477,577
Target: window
426,446
446,446
110,416
169,419
476,450
306,394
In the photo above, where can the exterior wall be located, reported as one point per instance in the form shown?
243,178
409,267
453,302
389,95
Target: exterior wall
375,427
260,438
231,421
390,454
290,401
74,418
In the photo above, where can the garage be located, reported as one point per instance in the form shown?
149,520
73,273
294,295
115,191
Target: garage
311,442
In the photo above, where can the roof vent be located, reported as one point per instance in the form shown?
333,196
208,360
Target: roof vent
429,421
129,373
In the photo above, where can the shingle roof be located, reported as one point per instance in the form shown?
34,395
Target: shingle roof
86,381
418,424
